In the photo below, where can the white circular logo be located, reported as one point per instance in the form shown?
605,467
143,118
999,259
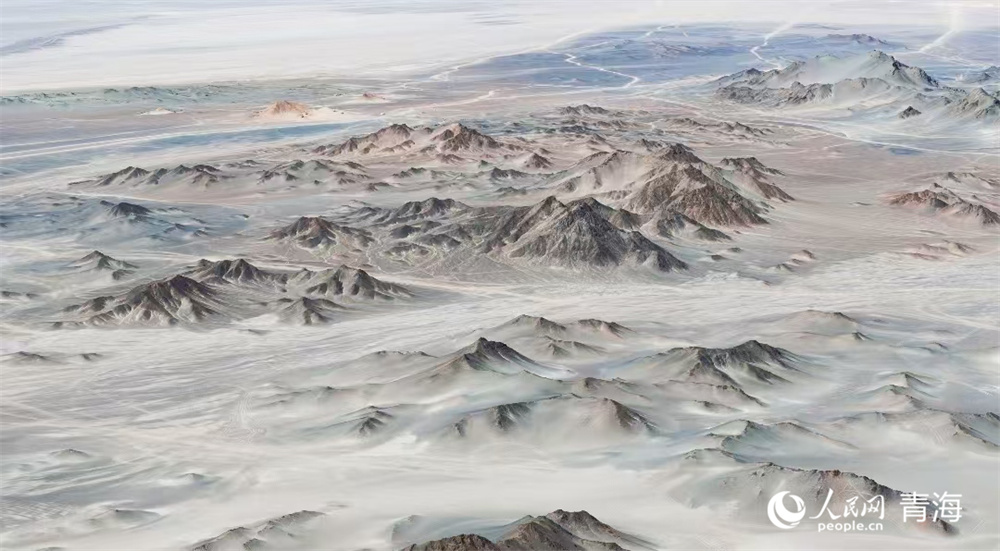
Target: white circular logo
781,517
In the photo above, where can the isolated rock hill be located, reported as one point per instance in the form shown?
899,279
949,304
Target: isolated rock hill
506,174
560,334
797,94
389,136
977,104
475,368
749,352
688,190
850,81
722,129
579,415
749,439
128,211
750,485
412,210
461,542
748,164
981,430
315,171
535,325
234,271
980,427
606,327
561,348
346,281
97,261
163,302
873,66
673,178
314,232
224,290
202,175
460,138
368,422
418,172
604,170
820,322
502,418
626,417
125,175
270,534
751,362
857,38
584,109
577,234
943,201
284,109
487,355
308,311
584,525
557,531
545,533
592,125
573,233
448,144
668,223
990,74
536,162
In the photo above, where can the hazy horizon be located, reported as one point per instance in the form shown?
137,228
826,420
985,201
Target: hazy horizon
57,45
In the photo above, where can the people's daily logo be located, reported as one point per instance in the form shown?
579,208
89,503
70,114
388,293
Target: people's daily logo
786,510
780,515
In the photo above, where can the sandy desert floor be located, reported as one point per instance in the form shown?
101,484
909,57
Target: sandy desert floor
617,273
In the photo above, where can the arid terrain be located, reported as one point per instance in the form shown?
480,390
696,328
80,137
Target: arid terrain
611,293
